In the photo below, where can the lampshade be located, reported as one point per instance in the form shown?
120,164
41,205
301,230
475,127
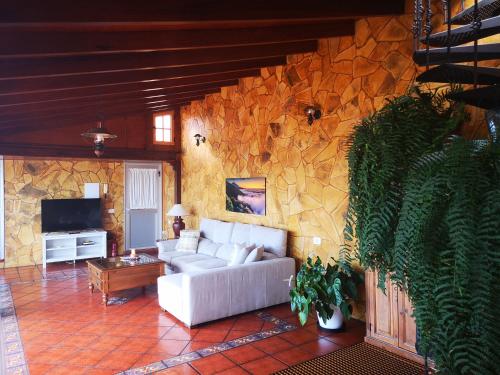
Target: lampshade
99,134
177,210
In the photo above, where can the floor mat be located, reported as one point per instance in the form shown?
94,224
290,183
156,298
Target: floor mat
359,359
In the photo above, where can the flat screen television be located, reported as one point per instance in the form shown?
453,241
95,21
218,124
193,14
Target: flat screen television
66,215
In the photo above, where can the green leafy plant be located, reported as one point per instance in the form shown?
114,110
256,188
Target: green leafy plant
425,208
381,150
447,255
321,287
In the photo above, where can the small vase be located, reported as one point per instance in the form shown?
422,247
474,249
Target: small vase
336,322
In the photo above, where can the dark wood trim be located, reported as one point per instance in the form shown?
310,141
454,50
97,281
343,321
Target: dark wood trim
30,150
161,107
9,101
178,179
135,80
56,66
29,44
190,13
178,129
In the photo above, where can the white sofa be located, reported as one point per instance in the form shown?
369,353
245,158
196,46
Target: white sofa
201,287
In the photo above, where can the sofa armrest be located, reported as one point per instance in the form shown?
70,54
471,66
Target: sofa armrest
166,246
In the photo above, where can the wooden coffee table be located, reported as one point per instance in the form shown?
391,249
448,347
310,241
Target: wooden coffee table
113,274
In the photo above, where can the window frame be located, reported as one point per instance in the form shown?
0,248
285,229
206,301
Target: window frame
171,113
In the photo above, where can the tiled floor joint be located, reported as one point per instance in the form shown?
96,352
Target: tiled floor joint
282,326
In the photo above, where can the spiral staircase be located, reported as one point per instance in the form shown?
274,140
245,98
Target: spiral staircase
443,52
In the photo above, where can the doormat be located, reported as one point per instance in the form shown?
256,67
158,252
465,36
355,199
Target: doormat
358,359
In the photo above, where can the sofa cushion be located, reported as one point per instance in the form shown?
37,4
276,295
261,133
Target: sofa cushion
241,233
225,251
222,232
255,255
207,247
207,228
273,240
205,264
179,263
169,255
268,256
188,241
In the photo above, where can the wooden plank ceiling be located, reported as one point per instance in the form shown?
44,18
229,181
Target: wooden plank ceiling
67,62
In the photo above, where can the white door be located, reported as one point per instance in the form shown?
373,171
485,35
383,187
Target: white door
143,219
2,213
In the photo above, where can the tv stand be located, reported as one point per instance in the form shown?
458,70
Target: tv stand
70,246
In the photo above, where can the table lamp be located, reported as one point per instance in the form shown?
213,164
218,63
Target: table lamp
178,211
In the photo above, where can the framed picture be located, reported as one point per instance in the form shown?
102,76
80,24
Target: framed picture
246,195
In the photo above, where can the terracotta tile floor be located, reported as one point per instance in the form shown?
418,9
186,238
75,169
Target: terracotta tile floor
66,330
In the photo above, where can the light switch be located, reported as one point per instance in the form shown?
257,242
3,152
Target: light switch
111,210
317,241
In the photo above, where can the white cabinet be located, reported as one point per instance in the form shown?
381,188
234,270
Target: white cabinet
65,246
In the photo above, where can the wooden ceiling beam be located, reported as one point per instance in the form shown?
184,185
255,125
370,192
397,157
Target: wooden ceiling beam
191,12
43,107
27,44
65,66
110,153
54,122
96,110
7,102
80,118
46,88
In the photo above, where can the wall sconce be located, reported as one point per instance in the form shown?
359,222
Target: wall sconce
199,138
312,113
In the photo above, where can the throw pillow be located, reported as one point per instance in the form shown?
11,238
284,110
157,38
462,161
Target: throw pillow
240,254
255,255
207,247
188,241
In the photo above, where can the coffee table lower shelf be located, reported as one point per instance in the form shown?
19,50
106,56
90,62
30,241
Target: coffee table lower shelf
117,279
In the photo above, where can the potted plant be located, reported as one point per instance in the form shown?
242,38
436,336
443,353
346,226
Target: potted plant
330,290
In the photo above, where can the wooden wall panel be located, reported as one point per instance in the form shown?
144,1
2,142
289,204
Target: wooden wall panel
131,131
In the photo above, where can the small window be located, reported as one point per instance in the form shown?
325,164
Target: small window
163,128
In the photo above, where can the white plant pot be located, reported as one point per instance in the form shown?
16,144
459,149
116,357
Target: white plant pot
335,322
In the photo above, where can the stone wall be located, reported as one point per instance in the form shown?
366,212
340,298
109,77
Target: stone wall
258,128
27,182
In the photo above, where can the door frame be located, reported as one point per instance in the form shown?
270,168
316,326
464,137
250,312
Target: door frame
2,210
141,164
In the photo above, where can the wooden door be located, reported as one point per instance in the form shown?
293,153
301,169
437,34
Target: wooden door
407,332
382,310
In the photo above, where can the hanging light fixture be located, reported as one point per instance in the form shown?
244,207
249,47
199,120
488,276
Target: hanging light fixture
98,136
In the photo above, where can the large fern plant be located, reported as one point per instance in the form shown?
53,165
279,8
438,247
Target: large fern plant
427,211
447,255
381,150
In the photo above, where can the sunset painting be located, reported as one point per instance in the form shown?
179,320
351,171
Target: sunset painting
246,195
